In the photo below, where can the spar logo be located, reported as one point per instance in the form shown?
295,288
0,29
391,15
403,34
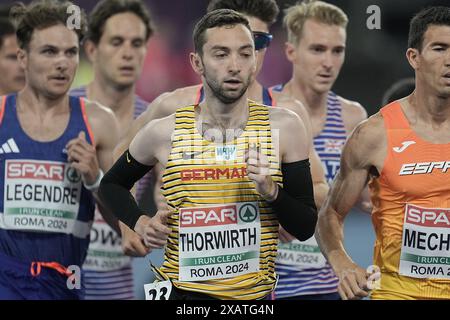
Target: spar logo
428,217
73,175
248,213
38,170
209,216
232,214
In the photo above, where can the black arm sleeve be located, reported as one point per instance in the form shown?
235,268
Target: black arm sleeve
115,189
294,205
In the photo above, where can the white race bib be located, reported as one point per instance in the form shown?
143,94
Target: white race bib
219,242
425,251
159,290
105,248
305,254
41,196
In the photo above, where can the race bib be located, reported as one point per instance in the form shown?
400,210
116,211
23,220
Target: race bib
425,249
40,196
219,242
159,290
105,248
305,254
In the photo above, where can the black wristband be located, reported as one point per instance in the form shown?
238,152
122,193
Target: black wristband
115,188
294,205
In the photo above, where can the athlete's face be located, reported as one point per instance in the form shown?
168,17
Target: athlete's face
12,77
432,64
258,26
228,61
318,57
119,56
51,60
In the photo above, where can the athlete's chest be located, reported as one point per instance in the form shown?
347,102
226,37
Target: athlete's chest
43,128
418,169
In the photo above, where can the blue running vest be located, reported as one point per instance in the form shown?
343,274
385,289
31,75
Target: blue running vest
301,267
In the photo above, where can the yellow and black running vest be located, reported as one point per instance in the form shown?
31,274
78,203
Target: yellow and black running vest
224,235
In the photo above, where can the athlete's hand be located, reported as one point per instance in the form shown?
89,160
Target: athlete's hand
284,236
154,231
83,157
258,170
132,243
352,279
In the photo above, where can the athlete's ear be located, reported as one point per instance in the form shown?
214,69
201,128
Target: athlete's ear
90,49
196,63
413,58
22,58
289,49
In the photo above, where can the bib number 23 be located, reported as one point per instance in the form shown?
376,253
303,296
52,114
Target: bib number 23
158,290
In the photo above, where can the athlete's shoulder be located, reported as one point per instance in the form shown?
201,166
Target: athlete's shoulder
352,113
352,106
169,102
97,111
293,104
283,118
369,133
181,97
160,128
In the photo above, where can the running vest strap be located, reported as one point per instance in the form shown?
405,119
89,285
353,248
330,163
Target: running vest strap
224,235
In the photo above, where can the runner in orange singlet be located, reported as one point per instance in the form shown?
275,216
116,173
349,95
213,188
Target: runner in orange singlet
405,152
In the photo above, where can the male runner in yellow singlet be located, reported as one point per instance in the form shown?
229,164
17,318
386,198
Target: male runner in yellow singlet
227,179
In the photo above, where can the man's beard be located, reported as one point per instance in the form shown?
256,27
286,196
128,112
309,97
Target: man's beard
220,93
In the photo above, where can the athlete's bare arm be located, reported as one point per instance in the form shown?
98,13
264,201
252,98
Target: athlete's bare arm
362,156
151,147
353,114
293,143
106,135
106,132
317,172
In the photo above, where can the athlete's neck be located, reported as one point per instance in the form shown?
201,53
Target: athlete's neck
119,100
214,114
430,107
35,102
255,92
315,102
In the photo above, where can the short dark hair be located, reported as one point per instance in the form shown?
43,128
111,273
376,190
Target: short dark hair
108,8
214,19
422,20
41,14
398,90
6,29
264,10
